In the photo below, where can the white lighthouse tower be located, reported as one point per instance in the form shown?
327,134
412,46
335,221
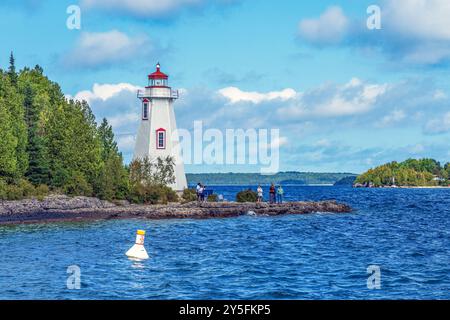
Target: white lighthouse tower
157,136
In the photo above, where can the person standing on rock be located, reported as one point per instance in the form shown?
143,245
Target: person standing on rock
280,193
260,194
272,194
201,193
197,190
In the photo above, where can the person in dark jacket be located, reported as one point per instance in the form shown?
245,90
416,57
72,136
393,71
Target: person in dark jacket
272,193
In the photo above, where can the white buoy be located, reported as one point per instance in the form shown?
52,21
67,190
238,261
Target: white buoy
138,251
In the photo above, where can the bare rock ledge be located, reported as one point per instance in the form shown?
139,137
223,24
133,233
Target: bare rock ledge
63,208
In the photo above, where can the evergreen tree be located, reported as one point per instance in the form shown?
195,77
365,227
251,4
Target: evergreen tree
12,70
38,167
113,180
8,160
106,135
13,102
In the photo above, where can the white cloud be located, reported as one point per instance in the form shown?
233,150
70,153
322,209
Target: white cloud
126,143
421,19
354,97
122,120
413,31
148,8
322,143
438,126
439,95
95,49
105,91
417,149
235,95
329,28
392,118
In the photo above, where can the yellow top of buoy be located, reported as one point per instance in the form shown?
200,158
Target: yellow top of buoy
141,232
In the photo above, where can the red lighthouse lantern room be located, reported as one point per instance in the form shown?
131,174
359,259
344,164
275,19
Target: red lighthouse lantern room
158,79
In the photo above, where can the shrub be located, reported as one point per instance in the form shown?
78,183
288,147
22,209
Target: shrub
152,194
27,189
3,190
78,186
42,191
189,195
213,198
247,196
14,193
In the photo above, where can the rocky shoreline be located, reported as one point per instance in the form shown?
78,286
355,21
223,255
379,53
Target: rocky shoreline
63,208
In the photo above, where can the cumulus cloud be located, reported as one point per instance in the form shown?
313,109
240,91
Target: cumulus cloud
105,91
356,108
329,28
149,8
235,95
95,49
354,97
413,31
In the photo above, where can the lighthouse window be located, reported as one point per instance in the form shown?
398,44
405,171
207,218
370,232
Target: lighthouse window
145,111
161,135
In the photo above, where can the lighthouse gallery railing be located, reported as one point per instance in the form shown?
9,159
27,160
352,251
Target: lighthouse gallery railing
158,93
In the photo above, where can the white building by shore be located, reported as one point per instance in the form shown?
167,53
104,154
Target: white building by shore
157,135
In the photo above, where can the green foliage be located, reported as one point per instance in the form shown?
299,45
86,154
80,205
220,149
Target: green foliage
149,180
113,180
51,143
152,194
76,185
12,70
8,160
38,166
11,101
189,195
412,172
213,198
3,190
42,191
159,171
21,189
247,196
73,143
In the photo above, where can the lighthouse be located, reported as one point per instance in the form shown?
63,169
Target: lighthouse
157,135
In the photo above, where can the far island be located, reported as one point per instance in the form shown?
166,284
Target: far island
409,173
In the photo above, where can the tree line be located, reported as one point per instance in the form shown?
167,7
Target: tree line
412,172
53,144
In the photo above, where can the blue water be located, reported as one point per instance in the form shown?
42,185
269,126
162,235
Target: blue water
320,256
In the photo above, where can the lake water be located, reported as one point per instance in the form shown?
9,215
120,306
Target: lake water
322,256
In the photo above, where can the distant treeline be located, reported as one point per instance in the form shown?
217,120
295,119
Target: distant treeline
412,172
298,178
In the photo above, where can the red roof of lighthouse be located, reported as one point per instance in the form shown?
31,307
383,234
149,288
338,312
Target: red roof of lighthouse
158,74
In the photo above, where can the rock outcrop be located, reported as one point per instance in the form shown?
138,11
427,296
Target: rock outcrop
63,208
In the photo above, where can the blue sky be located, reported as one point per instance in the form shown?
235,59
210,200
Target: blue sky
345,98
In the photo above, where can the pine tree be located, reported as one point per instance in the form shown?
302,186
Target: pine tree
12,70
13,102
106,135
8,160
113,180
38,166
